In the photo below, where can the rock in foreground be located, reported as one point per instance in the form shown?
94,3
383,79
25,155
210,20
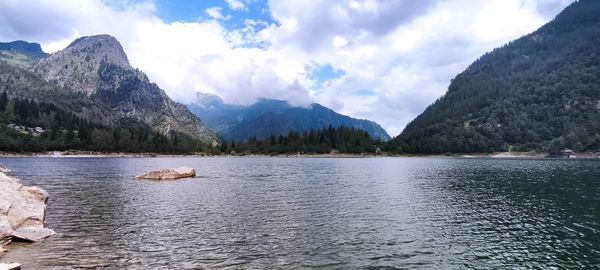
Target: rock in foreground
10,266
22,211
5,232
169,174
31,234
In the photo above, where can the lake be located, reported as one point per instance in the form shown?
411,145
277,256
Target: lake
339,213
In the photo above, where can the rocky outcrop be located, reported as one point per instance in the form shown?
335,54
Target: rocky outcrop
169,174
76,67
22,211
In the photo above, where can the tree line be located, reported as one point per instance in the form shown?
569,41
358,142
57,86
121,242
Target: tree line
317,141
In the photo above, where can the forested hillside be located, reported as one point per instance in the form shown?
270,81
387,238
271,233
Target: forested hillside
540,92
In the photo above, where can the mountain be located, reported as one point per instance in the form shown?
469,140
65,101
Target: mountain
21,53
540,92
77,66
93,80
269,117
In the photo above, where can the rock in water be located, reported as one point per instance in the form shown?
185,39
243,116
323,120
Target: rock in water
28,207
169,174
22,211
31,234
10,266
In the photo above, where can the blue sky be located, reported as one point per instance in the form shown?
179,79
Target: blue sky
194,10
382,60
325,73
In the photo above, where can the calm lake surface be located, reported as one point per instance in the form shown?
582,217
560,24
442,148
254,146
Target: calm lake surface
316,213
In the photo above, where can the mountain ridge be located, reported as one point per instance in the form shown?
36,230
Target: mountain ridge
268,117
30,49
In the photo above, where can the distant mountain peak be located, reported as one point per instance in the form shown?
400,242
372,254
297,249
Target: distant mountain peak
33,50
268,117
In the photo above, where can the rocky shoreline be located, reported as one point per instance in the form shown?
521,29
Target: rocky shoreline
22,213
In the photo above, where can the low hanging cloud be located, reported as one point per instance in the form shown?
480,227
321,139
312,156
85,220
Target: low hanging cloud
390,58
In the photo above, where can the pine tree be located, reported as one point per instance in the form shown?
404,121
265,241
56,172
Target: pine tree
3,101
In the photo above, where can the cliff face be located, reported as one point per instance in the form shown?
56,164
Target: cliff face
127,93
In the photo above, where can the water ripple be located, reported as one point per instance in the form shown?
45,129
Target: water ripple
379,213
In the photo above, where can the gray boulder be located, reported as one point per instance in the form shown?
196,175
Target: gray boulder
169,174
10,266
31,234
5,231
22,211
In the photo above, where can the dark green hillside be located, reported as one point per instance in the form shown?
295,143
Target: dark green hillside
540,92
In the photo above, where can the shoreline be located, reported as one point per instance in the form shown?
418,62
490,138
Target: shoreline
497,155
68,154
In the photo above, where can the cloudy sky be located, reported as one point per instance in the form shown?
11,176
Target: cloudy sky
383,60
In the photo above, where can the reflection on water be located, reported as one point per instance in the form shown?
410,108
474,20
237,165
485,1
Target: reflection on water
299,213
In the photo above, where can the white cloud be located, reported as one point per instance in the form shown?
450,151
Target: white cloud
403,53
215,13
235,4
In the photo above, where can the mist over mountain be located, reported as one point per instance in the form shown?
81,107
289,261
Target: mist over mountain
269,117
